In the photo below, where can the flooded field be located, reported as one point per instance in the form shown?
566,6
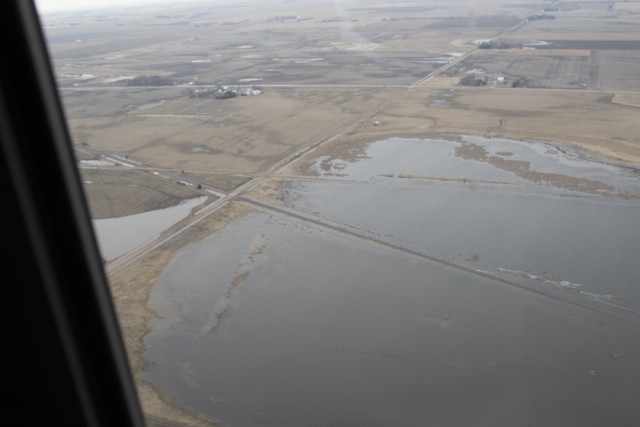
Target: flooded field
118,236
339,274
528,210
414,282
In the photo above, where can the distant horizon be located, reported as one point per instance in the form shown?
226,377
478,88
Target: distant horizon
47,6
70,5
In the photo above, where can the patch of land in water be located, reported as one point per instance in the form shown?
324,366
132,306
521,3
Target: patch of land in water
521,168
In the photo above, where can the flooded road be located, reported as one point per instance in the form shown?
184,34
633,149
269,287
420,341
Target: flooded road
449,289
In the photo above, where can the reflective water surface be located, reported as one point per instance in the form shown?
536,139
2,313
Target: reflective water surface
117,236
422,283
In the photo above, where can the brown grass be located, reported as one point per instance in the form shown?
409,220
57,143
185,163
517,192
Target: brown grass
131,287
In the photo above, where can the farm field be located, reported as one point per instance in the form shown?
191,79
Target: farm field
615,70
517,114
135,191
534,70
244,135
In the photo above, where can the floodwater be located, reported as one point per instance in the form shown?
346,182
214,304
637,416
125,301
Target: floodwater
494,220
413,286
118,236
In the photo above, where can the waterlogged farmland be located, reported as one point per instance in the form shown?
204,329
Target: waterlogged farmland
118,236
397,283
526,209
381,237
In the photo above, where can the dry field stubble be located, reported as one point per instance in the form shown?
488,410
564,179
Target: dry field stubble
593,25
430,40
633,6
535,69
584,121
631,100
244,135
532,52
117,192
615,70
111,102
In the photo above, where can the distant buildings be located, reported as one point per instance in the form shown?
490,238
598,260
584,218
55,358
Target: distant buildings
251,92
224,92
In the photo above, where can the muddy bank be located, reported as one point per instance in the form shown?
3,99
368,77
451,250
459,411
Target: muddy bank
522,168
131,287
353,147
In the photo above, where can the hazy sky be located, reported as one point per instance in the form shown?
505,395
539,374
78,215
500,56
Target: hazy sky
54,5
